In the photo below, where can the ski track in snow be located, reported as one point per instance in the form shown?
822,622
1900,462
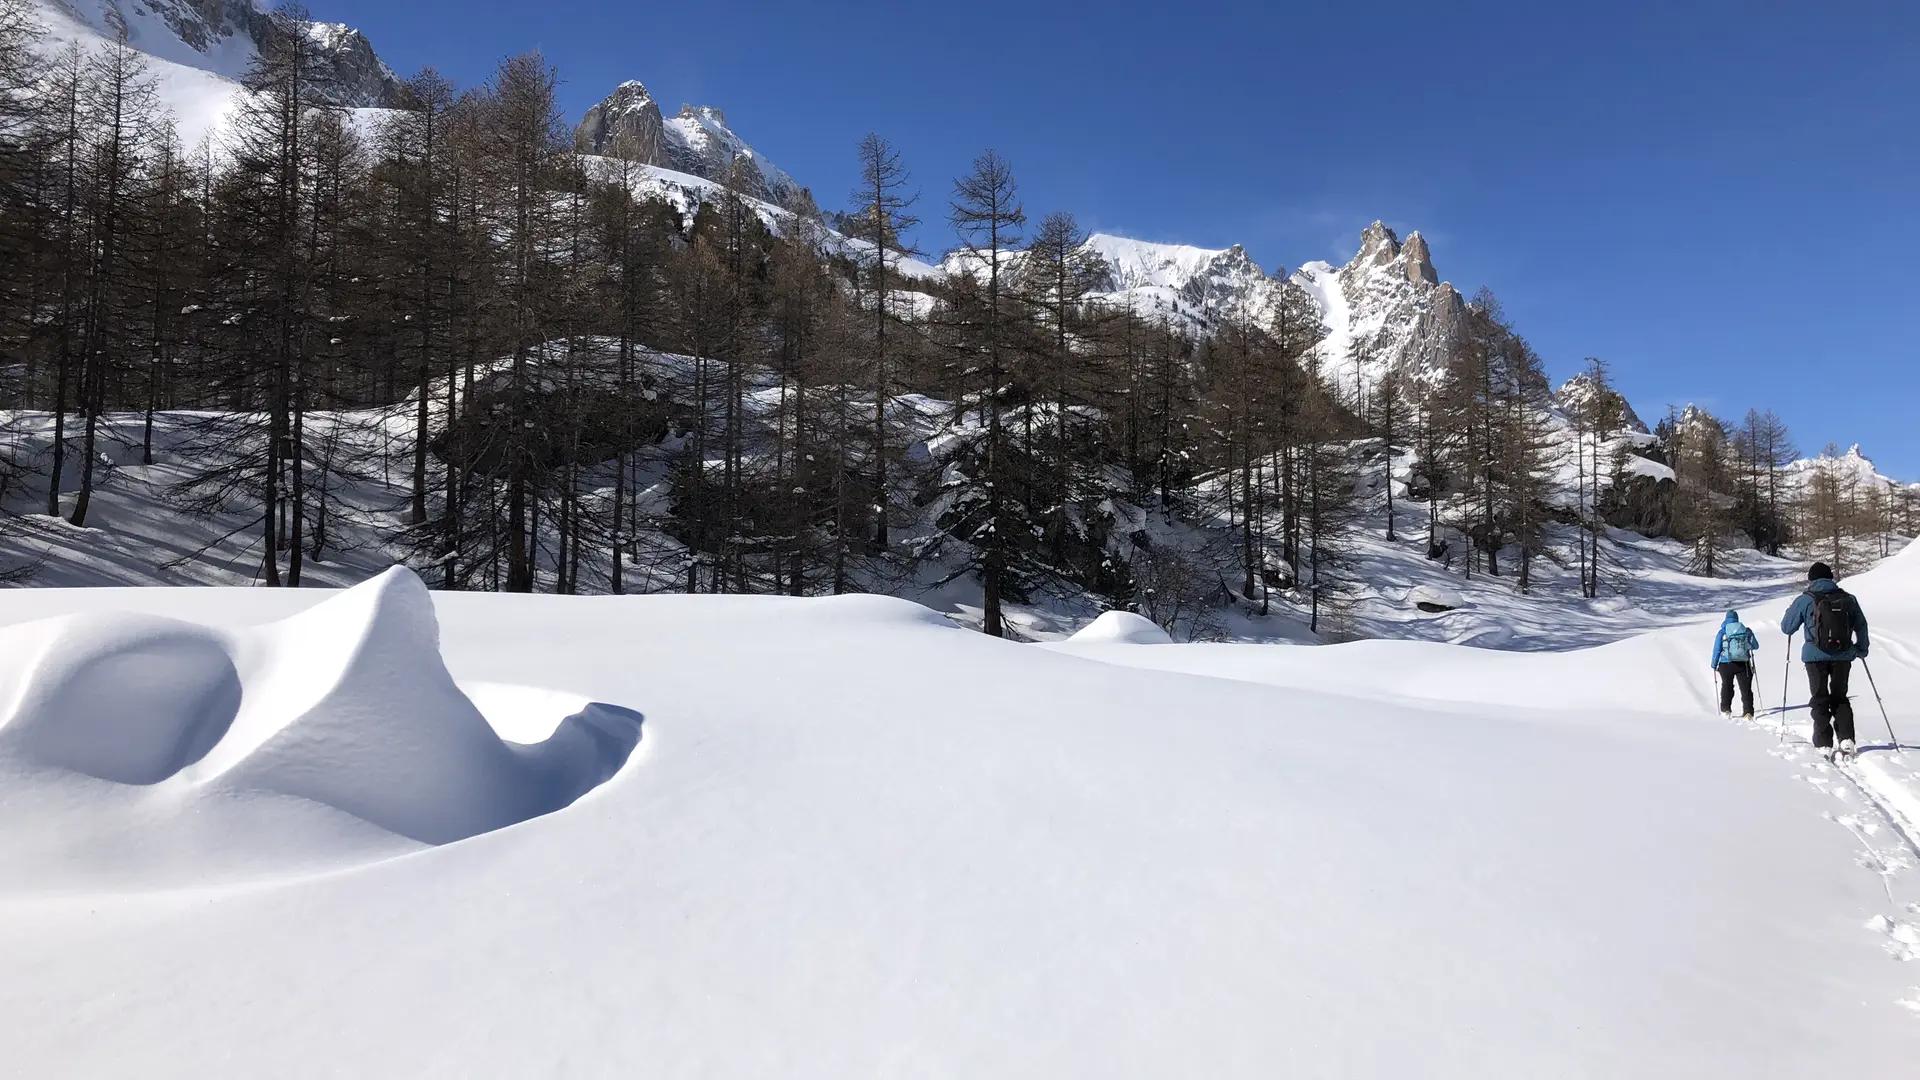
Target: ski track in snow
1880,788
1883,796
1886,823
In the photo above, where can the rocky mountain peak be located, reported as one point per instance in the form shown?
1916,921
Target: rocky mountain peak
1419,260
696,141
1378,245
629,119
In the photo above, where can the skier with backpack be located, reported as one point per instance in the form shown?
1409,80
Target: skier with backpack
1733,650
1836,636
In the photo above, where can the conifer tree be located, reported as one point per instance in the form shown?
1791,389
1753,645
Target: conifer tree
525,147
1058,276
1698,445
984,323
260,360
881,217
1329,500
1597,418
1388,413
1762,447
122,116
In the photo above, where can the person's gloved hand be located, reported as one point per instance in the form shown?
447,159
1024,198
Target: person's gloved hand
1861,652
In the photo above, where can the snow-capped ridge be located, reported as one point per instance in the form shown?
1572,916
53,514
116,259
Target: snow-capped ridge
1187,285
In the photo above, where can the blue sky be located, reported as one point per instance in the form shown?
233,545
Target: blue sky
1717,197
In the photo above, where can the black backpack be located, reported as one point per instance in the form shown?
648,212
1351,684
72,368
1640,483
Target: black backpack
1831,628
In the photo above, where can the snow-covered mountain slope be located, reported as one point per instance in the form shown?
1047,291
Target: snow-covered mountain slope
1192,288
221,38
696,141
189,81
1380,860
687,192
1851,467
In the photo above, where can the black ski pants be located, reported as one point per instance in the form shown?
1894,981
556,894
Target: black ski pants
1832,711
1740,671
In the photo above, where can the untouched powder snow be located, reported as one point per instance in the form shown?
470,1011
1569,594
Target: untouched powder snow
865,842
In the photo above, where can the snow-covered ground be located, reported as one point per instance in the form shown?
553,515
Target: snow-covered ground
855,840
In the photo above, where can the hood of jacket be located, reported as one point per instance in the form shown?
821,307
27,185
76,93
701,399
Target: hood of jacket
1823,585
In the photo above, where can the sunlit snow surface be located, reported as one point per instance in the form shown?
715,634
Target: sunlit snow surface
858,841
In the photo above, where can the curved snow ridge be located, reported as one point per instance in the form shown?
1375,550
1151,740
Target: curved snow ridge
348,704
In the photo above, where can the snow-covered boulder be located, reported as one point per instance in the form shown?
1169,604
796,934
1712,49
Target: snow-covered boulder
1435,598
1121,628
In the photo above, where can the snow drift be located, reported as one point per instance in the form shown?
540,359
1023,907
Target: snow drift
1123,628
348,706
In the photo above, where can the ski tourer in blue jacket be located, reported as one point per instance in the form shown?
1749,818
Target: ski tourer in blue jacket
1720,640
1800,616
1734,648
1828,673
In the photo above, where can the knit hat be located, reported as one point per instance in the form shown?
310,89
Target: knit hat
1819,571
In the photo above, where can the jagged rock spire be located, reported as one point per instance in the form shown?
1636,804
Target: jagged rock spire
1378,245
1419,261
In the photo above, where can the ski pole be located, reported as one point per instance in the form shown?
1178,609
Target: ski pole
1786,681
1880,702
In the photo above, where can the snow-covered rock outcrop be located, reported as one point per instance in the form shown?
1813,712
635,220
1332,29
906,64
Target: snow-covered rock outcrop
1578,392
696,141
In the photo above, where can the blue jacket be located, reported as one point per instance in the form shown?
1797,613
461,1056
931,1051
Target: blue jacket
1720,640
1801,615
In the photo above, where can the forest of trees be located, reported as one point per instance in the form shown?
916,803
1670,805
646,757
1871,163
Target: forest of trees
612,395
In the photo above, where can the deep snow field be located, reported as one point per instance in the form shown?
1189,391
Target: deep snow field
727,836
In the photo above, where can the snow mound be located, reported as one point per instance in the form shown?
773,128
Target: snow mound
347,705
1121,628
1435,598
